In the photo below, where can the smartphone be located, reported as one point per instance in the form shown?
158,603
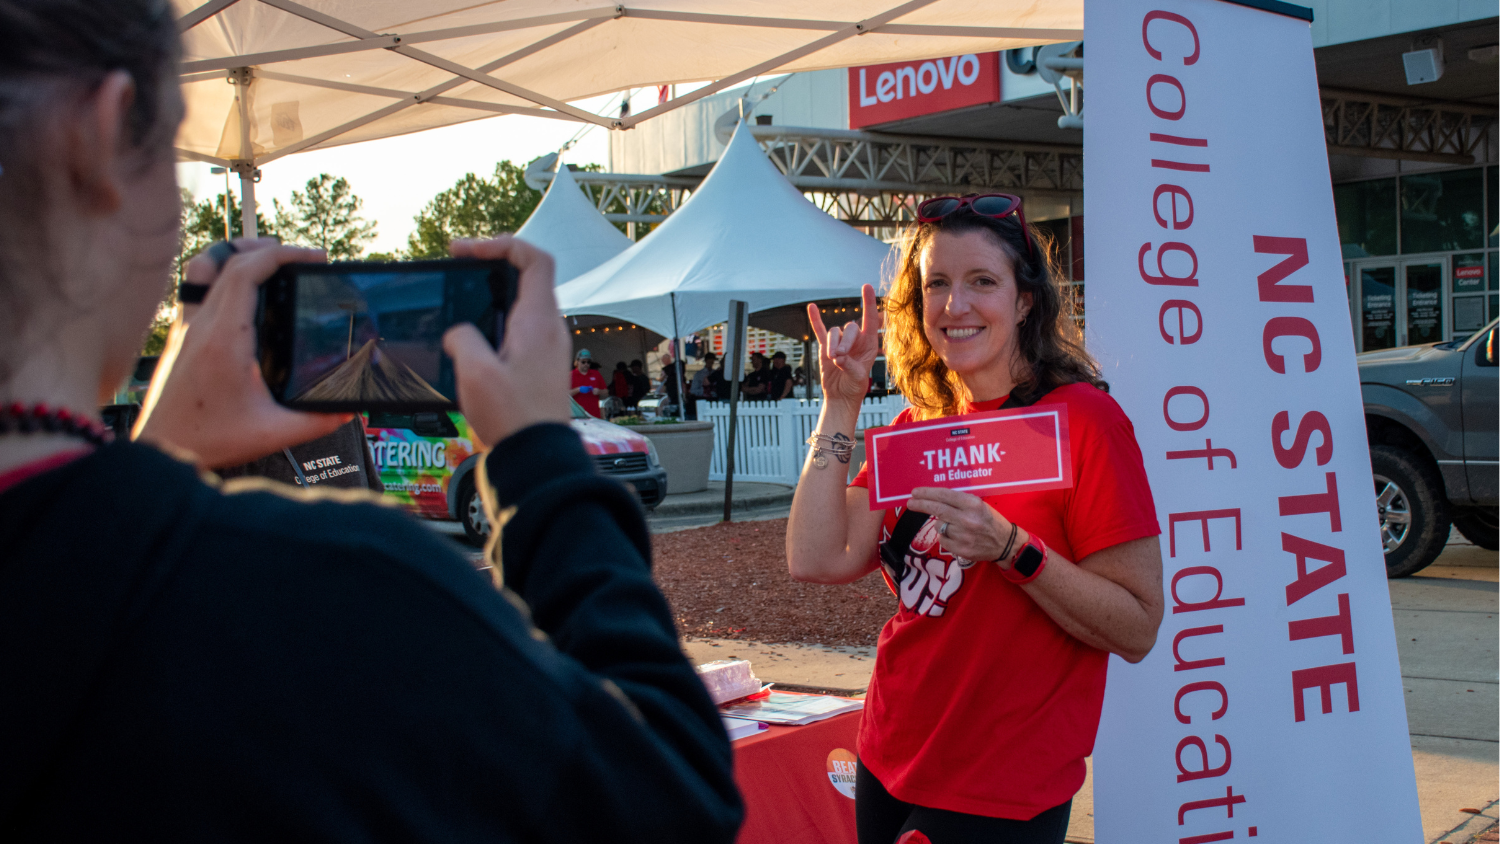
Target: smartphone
369,336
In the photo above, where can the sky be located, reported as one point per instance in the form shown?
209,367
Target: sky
396,177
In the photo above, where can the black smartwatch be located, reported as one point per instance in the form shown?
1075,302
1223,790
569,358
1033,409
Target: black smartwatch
1028,562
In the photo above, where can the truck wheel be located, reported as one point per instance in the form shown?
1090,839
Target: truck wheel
1414,513
1478,525
471,512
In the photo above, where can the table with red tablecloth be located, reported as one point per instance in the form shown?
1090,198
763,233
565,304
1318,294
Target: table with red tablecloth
798,783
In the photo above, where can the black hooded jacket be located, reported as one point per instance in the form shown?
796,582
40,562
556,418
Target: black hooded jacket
181,662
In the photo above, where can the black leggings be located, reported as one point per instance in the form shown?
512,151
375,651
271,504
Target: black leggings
881,819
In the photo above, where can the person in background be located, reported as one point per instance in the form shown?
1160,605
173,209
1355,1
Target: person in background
587,384
780,384
672,374
640,384
619,384
757,382
703,387
184,659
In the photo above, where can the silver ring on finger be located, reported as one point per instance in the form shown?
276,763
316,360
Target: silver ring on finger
942,528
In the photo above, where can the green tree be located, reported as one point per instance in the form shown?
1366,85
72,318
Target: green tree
326,216
202,224
474,207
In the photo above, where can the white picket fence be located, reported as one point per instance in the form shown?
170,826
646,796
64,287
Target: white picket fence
771,438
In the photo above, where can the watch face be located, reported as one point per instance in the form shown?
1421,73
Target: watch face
1030,559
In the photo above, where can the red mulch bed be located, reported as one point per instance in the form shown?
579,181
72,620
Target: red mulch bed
729,581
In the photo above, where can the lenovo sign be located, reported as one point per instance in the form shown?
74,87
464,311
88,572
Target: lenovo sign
882,93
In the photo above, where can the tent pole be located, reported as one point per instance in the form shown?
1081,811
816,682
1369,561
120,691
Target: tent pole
248,227
241,78
679,364
734,362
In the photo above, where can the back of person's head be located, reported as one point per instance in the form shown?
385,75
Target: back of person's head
1050,344
635,364
89,105
620,366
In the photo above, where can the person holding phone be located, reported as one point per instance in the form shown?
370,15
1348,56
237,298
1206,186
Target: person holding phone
196,661
989,678
587,384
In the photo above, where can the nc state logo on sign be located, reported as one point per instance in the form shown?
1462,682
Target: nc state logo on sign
883,93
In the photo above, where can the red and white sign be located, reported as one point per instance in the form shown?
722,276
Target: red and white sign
1468,272
994,453
1218,313
883,93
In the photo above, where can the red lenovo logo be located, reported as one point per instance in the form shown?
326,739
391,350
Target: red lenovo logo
886,92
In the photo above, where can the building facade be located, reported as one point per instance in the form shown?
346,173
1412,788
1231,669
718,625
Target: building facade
1409,91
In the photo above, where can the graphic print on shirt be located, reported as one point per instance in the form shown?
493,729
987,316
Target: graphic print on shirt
931,577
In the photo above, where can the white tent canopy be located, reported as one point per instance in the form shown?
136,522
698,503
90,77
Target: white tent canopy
320,73
745,234
566,224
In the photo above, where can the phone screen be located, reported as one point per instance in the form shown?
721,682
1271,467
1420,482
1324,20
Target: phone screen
369,336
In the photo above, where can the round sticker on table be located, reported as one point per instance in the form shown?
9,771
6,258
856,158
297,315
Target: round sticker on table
841,766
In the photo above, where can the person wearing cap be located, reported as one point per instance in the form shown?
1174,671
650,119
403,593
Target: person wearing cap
588,384
780,384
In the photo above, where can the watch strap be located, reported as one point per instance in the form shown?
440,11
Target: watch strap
1028,562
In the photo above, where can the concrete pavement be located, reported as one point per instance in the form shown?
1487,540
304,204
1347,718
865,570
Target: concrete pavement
752,502
1447,629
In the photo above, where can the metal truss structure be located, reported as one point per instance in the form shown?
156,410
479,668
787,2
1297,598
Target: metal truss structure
1383,126
868,179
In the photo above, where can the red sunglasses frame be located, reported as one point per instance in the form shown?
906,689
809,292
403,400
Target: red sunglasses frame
968,202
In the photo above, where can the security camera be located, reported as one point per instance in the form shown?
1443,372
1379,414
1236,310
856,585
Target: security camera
1425,62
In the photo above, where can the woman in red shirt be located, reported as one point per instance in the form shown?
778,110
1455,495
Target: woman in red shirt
989,679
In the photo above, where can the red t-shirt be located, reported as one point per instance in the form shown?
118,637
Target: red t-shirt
589,401
979,702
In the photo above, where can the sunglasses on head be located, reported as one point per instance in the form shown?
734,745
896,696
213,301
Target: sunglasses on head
993,205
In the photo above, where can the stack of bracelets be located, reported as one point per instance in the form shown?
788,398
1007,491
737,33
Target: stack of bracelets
838,445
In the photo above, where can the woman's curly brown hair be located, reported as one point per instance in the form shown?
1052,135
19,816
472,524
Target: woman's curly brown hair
1051,346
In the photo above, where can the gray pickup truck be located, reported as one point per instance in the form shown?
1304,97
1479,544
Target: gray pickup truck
1430,413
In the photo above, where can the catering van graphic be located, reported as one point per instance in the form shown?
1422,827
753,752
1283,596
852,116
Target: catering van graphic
418,455
427,462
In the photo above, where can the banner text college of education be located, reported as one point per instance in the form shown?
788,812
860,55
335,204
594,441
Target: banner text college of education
1272,706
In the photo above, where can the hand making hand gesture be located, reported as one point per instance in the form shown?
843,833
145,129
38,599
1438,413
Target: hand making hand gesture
845,355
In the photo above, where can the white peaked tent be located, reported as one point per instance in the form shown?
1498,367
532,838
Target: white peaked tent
745,234
566,224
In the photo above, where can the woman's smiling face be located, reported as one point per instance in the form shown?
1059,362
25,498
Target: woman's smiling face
970,307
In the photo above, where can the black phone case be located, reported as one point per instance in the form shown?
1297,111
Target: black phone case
276,326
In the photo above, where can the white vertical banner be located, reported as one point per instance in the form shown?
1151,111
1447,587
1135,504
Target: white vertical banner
1272,706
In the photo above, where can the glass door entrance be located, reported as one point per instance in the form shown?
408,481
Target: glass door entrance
1401,303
